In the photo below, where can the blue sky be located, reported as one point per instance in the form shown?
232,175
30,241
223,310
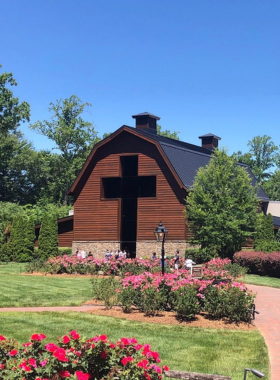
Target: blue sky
202,66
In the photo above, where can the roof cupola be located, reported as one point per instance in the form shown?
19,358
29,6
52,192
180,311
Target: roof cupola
146,121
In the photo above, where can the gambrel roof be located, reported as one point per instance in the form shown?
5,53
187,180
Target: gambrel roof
184,159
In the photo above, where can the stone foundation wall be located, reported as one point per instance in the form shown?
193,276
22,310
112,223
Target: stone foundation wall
143,248
97,248
146,248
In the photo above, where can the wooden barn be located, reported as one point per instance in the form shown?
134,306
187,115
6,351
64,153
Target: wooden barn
130,182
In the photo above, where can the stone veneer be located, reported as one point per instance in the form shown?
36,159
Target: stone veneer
146,248
97,248
143,248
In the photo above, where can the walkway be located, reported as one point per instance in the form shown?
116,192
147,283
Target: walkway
268,323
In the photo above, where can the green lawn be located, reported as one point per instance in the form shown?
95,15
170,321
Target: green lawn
261,280
226,352
17,289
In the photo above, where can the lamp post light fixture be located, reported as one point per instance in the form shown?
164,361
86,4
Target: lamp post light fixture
254,371
161,234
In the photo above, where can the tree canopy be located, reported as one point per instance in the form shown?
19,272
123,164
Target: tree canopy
221,206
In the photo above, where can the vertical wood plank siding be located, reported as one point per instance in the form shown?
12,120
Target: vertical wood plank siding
98,219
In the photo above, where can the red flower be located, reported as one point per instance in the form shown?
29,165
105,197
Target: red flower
27,344
165,368
65,374
51,347
74,334
127,359
112,345
60,354
82,376
2,337
13,352
66,339
38,337
103,355
2,366
32,362
103,338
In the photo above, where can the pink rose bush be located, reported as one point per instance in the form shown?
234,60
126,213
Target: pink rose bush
76,358
180,292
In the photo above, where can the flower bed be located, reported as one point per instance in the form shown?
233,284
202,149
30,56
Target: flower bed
75,358
179,292
74,265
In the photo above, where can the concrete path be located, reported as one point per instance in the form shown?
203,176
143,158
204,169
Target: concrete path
268,323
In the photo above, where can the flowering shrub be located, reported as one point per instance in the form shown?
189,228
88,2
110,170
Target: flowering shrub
75,358
90,265
185,295
266,264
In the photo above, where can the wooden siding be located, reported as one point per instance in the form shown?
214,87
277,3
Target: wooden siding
165,207
98,219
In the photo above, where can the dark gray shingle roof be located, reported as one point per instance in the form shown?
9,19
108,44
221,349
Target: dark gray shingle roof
187,158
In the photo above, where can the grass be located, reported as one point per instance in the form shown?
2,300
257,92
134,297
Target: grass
226,352
18,290
254,279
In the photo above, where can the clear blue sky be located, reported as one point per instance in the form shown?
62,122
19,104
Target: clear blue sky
202,66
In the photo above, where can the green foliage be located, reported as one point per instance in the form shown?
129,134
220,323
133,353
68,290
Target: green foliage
228,302
272,186
262,156
186,303
105,290
167,133
48,237
152,301
200,255
73,137
236,270
264,238
221,207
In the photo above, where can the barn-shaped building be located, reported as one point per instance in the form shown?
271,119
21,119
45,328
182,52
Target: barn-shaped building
130,182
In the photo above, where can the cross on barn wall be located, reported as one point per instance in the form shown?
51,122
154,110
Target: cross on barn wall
128,188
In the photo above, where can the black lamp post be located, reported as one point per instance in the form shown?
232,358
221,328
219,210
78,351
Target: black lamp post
254,371
160,234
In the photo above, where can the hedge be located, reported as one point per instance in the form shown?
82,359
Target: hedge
264,264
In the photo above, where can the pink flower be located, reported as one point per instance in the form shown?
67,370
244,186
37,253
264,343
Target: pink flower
27,344
44,362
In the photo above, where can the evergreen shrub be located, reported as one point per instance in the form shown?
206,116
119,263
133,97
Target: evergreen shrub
264,264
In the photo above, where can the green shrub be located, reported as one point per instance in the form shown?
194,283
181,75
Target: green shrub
228,302
105,290
185,303
152,301
236,270
200,255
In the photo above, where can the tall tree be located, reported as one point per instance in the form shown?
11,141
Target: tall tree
14,149
222,205
12,112
262,157
73,137
272,186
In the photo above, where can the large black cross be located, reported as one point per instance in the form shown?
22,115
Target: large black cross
129,187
